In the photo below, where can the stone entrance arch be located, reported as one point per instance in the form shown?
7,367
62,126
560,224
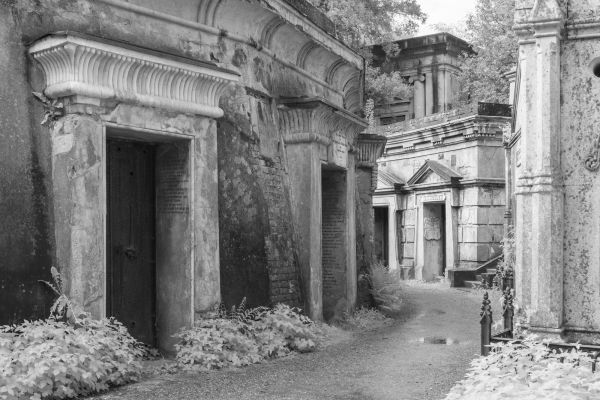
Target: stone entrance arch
115,91
320,142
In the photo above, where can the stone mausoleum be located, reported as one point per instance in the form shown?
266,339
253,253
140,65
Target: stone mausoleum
555,168
430,64
190,153
439,202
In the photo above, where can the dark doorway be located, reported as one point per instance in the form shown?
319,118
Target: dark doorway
381,235
131,265
434,235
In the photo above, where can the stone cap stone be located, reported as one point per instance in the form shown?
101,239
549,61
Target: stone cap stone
475,109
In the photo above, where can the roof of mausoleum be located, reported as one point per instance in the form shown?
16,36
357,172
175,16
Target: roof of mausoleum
420,46
476,121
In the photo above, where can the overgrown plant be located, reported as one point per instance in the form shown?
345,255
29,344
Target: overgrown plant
366,319
385,288
67,355
245,336
527,371
62,308
506,266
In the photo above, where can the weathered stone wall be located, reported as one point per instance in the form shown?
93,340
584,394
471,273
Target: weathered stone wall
556,210
25,232
480,224
580,94
258,259
258,245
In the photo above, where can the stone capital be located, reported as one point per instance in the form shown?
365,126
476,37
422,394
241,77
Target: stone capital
317,117
416,78
93,70
369,148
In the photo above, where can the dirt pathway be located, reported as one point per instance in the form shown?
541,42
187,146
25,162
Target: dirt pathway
410,360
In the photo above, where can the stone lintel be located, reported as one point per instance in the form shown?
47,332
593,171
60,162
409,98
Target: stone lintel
83,67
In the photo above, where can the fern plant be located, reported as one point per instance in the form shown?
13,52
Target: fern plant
62,308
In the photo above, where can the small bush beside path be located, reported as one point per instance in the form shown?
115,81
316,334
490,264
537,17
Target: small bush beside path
529,371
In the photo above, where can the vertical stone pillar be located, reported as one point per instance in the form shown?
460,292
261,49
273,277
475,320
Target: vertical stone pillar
351,273
305,177
419,96
78,178
441,91
393,237
448,90
540,214
429,89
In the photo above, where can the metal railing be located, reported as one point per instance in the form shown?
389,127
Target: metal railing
506,335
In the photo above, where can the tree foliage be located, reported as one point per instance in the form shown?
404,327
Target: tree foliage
360,23
365,22
489,30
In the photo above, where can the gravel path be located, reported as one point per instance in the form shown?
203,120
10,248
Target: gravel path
408,360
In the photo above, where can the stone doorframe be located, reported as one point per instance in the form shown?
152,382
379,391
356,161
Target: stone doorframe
449,198
391,203
111,89
316,134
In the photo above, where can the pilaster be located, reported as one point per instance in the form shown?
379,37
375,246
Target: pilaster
539,185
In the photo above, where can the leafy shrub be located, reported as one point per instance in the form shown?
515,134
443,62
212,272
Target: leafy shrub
385,288
54,359
245,336
366,319
528,371
215,343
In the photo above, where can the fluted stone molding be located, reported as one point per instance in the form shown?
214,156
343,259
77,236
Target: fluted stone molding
369,148
98,69
539,184
315,119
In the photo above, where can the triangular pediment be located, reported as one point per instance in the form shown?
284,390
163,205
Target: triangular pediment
544,10
434,172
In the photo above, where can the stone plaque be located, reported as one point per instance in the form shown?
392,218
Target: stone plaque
428,198
431,228
173,184
339,147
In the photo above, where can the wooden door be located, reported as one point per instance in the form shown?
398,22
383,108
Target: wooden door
131,237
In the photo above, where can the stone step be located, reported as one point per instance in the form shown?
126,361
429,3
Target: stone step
473,284
492,271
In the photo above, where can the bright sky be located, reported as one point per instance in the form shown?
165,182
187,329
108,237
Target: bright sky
444,11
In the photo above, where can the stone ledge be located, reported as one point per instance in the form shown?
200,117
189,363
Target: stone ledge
93,68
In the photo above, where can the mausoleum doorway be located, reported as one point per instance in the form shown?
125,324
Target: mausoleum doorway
434,240
381,245
131,237
148,235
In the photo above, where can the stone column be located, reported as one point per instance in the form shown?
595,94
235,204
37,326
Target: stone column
540,183
448,90
441,91
429,89
351,273
305,177
419,96
393,236
78,179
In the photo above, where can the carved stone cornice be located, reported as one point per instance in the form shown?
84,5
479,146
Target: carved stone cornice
96,69
369,148
317,117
